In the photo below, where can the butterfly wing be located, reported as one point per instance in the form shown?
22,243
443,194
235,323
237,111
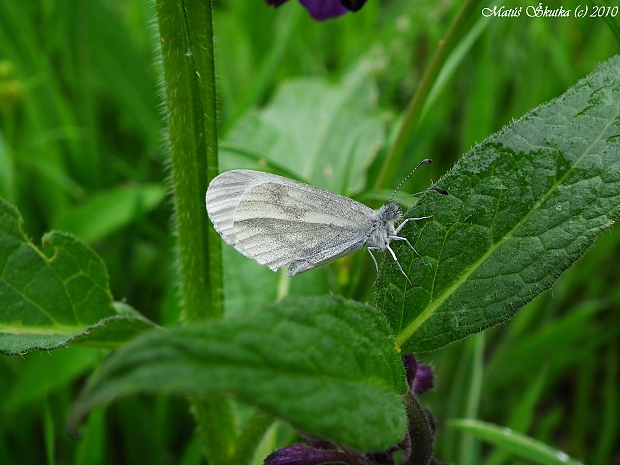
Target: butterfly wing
284,223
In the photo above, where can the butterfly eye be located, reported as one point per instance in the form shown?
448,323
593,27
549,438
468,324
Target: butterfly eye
392,211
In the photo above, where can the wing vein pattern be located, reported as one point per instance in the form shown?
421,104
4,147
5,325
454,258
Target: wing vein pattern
277,221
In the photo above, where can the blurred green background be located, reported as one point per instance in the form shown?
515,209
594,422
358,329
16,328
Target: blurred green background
82,149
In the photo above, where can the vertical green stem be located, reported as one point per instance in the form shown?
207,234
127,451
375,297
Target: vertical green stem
414,110
186,31
253,432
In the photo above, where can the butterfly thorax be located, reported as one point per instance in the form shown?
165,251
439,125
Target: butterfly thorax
383,225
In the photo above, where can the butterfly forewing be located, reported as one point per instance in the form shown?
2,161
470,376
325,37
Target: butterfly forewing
278,221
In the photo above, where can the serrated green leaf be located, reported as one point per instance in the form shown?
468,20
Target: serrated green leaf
326,135
47,302
325,364
523,206
519,444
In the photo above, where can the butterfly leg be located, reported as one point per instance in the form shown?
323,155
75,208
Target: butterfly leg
400,226
375,261
398,238
399,267
373,257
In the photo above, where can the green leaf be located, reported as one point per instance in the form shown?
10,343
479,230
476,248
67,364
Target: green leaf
109,211
326,364
523,206
519,444
48,302
323,134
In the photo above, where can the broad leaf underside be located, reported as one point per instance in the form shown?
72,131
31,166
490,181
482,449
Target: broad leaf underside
325,364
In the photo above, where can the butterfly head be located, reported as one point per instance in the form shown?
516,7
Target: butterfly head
391,212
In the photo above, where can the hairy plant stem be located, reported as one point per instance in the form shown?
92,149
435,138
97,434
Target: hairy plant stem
186,32
187,54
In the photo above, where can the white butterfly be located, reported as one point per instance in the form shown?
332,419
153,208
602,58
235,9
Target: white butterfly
284,223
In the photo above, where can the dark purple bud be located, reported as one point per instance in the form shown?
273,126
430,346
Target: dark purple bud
275,3
419,376
324,9
298,454
411,368
353,5
381,458
316,441
423,379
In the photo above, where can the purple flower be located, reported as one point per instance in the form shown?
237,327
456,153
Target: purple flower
298,454
419,376
324,9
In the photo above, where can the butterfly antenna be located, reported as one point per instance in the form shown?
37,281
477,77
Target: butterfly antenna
430,189
423,162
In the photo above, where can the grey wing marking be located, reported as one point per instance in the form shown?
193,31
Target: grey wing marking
222,198
283,223
280,243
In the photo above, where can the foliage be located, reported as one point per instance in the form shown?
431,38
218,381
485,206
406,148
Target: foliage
81,150
523,205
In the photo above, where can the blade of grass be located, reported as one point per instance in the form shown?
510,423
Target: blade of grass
581,406
519,444
522,415
453,61
611,23
49,434
610,424
458,400
469,452
269,65
414,110
251,436
91,449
